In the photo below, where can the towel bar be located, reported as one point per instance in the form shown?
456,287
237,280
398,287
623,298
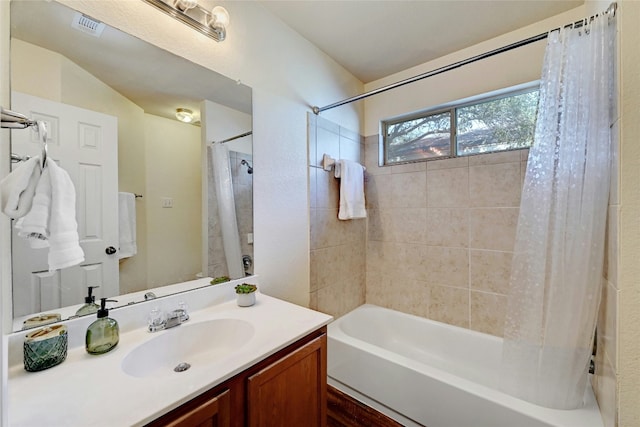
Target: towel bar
328,162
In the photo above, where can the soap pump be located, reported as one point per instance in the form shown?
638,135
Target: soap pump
90,305
103,334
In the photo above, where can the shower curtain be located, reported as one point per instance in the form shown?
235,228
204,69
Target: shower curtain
227,209
556,276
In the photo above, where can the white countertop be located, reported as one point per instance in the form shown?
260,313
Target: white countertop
88,390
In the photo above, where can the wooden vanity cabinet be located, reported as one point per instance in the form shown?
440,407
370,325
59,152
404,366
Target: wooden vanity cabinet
288,388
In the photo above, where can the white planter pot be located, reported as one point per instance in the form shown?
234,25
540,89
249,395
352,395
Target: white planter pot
246,300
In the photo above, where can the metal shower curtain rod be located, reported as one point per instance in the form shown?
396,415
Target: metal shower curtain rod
242,135
611,10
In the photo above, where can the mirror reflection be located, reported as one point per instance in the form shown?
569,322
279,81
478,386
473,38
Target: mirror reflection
158,201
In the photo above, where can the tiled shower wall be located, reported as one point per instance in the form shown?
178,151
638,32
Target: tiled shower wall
441,235
439,239
243,197
338,248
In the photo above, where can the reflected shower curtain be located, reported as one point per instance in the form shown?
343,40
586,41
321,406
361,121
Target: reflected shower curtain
227,209
556,275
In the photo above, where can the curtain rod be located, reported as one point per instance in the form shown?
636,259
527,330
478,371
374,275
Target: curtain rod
611,10
242,135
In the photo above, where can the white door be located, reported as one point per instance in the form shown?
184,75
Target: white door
85,144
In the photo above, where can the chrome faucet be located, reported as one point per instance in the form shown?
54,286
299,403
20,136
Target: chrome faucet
159,320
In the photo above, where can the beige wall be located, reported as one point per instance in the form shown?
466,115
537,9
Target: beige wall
173,171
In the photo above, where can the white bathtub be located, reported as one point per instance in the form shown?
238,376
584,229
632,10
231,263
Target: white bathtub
421,372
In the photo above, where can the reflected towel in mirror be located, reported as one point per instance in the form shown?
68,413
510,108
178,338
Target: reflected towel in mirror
18,188
127,225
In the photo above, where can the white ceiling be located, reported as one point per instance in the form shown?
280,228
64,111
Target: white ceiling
374,39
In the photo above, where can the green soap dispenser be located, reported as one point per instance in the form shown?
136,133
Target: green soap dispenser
103,334
90,305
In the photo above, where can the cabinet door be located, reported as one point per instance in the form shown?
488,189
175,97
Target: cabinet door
291,391
215,412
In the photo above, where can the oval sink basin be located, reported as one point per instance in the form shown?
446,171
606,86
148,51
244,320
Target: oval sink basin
194,345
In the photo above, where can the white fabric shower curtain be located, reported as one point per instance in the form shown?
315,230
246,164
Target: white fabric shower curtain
556,275
227,209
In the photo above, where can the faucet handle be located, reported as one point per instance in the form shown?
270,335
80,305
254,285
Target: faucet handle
182,312
156,319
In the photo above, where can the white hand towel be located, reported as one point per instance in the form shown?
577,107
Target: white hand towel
34,226
18,188
351,176
64,243
127,225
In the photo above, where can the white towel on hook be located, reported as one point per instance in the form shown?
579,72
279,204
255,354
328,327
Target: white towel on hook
127,225
18,188
352,204
34,226
64,242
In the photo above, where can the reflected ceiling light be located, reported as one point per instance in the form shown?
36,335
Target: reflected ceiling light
189,12
184,115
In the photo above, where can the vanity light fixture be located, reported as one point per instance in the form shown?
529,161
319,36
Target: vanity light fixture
184,115
210,23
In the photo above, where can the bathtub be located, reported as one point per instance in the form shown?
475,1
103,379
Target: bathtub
425,373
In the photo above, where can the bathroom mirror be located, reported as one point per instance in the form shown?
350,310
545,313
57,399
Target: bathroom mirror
110,100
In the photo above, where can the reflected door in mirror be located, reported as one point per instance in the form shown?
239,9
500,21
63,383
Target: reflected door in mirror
84,143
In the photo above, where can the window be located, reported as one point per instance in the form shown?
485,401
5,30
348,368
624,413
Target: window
486,125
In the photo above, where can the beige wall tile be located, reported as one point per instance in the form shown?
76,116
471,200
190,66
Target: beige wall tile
409,190
313,188
456,162
493,228
378,192
329,266
495,158
449,305
311,140
328,142
325,229
490,271
372,156
487,312
445,266
375,225
313,300
447,227
327,189
313,271
409,167
448,188
495,185
406,225
349,150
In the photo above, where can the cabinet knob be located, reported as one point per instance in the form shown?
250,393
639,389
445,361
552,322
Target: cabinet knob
110,250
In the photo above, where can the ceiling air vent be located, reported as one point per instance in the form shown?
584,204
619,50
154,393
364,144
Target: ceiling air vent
87,25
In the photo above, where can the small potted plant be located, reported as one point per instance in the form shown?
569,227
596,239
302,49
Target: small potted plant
246,294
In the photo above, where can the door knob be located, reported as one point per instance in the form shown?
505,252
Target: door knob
110,250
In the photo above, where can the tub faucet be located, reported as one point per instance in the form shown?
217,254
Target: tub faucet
159,320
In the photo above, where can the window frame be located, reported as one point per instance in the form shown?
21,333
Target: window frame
451,108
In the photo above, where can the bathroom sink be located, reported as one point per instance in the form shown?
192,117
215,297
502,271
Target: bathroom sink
187,346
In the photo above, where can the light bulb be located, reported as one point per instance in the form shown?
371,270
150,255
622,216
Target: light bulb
220,15
184,115
185,5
